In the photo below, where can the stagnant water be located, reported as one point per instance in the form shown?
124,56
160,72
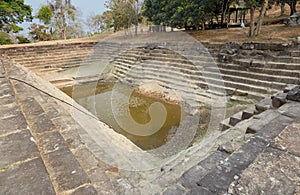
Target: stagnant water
97,99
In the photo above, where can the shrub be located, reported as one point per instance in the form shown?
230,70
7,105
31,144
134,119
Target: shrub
5,38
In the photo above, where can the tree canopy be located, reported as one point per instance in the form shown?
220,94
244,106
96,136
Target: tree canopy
60,18
12,13
182,13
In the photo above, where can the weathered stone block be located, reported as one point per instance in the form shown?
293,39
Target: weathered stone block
17,147
220,178
27,178
88,190
294,94
65,169
190,178
288,139
51,142
293,20
263,105
176,190
274,127
31,108
199,190
279,99
13,123
291,109
261,120
274,172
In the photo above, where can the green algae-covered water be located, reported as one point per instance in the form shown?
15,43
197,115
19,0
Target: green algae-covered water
97,99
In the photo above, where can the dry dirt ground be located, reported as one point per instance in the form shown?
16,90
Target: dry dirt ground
276,33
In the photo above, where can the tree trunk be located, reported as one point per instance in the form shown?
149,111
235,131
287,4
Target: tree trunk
282,9
137,17
293,5
261,17
252,26
63,20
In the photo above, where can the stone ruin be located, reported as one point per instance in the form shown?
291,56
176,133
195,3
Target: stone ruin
293,20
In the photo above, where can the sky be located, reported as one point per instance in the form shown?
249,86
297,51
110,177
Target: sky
87,8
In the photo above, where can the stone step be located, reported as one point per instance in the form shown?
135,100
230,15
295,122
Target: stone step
236,118
281,72
250,80
196,77
232,84
259,76
213,83
266,64
295,53
56,134
247,80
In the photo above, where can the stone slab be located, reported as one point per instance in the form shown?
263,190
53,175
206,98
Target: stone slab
100,179
65,170
190,178
41,124
289,140
51,141
31,108
274,172
175,190
9,109
17,147
261,120
6,98
28,178
12,124
86,190
219,179
198,191
274,127
291,109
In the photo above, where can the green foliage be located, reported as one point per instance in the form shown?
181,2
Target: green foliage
182,13
123,13
5,38
99,23
40,32
45,14
59,16
22,39
13,12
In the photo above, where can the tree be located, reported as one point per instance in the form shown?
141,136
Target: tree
100,22
292,4
45,14
125,13
183,13
13,12
39,32
254,30
60,19
64,18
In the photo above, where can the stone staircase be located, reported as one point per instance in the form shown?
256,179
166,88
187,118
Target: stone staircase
64,164
248,164
48,58
182,66
256,78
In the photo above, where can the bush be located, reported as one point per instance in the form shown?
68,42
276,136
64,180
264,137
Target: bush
22,39
5,38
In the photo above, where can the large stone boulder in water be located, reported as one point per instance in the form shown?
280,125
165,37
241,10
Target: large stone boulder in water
293,20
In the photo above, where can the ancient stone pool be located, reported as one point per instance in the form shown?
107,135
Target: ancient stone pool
98,102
